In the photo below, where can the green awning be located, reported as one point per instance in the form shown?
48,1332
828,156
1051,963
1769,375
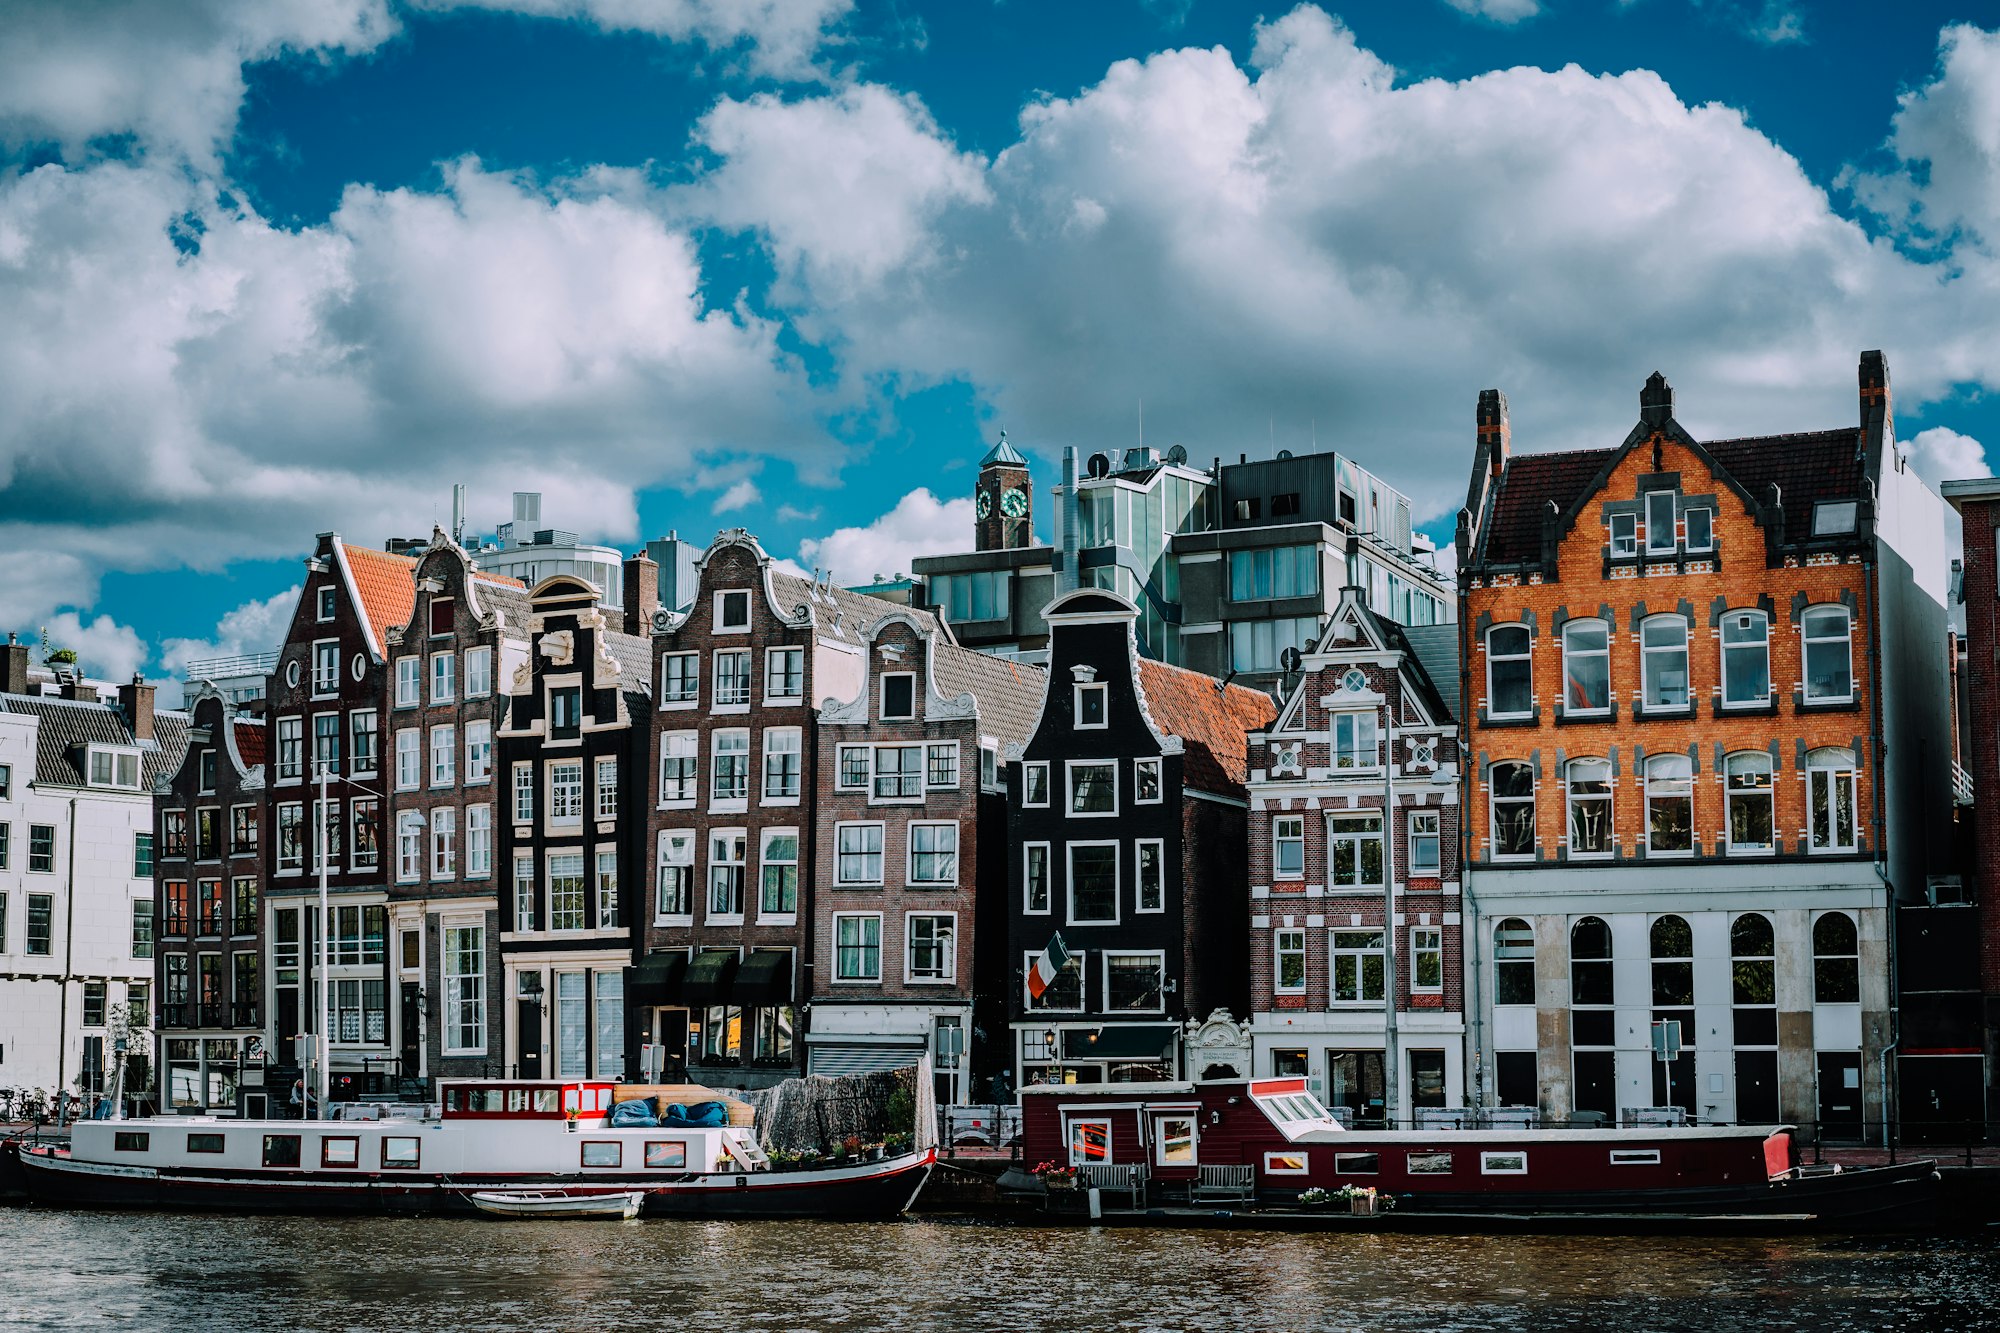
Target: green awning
657,979
1118,1041
708,976
765,978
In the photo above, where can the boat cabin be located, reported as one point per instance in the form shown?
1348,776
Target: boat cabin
531,1100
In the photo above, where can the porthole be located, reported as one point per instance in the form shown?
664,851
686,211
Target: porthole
292,673
360,666
1354,682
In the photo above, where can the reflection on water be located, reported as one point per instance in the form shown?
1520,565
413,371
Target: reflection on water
65,1269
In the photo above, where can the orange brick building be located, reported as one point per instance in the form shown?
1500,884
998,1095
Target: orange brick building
1704,693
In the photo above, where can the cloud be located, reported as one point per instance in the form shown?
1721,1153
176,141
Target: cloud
257,626
1498,11
920,524
778,38
104,648
1951,126
793,514
1941,454
740,496
171,75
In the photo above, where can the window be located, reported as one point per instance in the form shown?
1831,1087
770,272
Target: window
410,845
726,851
1747,787
941,767
1513,962
1146,781
1357,966
1836,960
933,854
1285,571
607,788
674,884
930,946
243,830
899,772
785,673
93,1004
1830,800
1589,791
964,597
1288,847
173,832
1509,677
1035,878
243,915
1089,1142
1590,967
142,925
1624,535
565,712
1035,784
291,836
1661,539
732,677
857,854
444,756
666,1154
478,841
361,739
680,764
524,793
208,905
358,935
1064,994
1134,983
899,697
1586,667
607,1153
1093,883
1427,960
440,617
1354,740
1700,525
782,762
1259,645
478,672
1669,804
291,749
1090,706
1174,1139
205,1143
732,610
1753,976
1357,1164
1746,658
281,1150
1354,851
1150,854
1503,1164
1672,948
444,677
1828,657
326,667
409,682
401,1152
142,856
779,858
857,946
566,793
1093,787
1663,644
325,600
464,988
1289,959
607,889
524,893
680,678
409,760
478,751
6,781
852,767
1833,519
1426,845
566,908
205,762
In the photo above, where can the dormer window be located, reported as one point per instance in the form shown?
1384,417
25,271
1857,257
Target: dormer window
441,620
732,611
899,697
1832,520
1661,539
1090,705
114,768
328,601
206,767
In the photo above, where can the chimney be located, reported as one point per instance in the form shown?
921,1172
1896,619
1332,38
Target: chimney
78,690
135,701
1656,400
14,667
642,593
1873,374
1494,433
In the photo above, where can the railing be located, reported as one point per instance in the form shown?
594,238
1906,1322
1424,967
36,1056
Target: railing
1961,785
243,664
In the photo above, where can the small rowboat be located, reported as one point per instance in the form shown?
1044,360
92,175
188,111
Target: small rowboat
558,1203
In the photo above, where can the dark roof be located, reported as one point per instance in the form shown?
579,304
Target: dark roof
843,614
634,656
1436,702
69,725
1009,693
1514,531
1436,649
1212,719
1003,454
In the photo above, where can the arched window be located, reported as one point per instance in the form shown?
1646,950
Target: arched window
1512,788
1751,949
1669,805
1593,1032
1663,643
1836,960
1746,659
1586,667
1747,786
1830,800
1590,962
1754,1015
1589,792
1509,680
1673,962
1513,962
1827,631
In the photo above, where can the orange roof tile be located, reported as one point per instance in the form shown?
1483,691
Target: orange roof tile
250,743
386,586
1211,718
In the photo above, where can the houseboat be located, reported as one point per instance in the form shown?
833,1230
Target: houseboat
487,1137
1279,1143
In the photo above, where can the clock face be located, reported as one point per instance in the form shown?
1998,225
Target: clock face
984,504
1014,503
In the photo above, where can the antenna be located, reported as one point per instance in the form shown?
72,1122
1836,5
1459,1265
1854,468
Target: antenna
1142,421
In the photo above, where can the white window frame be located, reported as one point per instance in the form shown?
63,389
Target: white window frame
724,598
1345,825
553,813
1158,847
1649,778
524,786
882,713
856,980
464,1005
444,678
1423,940
1808,639
1672,537
1493,658
948,975
910,853
767,862
1355,740
778,743
880,853
1731,794
444,843
1649,652
444,755
726,839
1822,768
1140,768
842,754
941,755
477,684
1571,776
743,669
1288,831
1624,544
325,668
1707,542
1048,906
411,834
524,892
878,775
326,602
1433,836
1288,942
478,751
1732,620
1334,953
575,915
1069,882
1030,771
772,657
294,769
1080,958
1572,654
691,679
739,756
675,849
1497,1163
1070,767
362,728
604,888
1099,691
1105,956
678,747
409,681
604,788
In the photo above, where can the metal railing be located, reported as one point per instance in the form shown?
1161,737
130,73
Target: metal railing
243,664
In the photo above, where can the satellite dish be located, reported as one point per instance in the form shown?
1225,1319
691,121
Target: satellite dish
1177,455
1099,465
1284,453
1290,659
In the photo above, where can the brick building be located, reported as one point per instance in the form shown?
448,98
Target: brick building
1364,729
1705,707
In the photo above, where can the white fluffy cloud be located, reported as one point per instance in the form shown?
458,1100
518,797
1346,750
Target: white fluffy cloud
778,38
1941,454
255,627
1499,11
104,648
739,496
920,524
1952,126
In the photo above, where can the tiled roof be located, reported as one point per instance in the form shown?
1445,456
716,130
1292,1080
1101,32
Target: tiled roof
386,585
1436,650
842,614
1009,693
68,726
249,741
634,656
1514,532
510,598
1211,718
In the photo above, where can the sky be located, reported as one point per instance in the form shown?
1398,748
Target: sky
275,267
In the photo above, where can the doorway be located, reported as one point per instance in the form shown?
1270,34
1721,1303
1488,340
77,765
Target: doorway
528,1029
1840,1096
1756,1087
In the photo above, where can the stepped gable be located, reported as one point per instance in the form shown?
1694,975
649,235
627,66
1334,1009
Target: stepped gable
1212,719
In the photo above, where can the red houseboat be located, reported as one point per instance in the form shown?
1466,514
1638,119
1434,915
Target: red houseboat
1280,1142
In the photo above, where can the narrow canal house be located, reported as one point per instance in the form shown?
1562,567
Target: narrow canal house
912,807
1705,699
1355,955
1126,852
465,636
206,936
572,744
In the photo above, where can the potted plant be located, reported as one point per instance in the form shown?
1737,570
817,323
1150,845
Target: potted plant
1057,1177
896,1144
1314,1198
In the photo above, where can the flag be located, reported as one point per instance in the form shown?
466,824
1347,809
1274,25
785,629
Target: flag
1047,967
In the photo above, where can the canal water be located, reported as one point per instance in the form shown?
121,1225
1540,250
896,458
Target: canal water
64,1270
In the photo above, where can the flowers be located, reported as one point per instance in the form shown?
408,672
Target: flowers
1056,1176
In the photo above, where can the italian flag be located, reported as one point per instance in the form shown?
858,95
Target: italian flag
1047,967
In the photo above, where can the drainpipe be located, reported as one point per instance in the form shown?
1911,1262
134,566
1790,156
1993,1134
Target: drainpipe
1879,750
69,962
1391,1055
1470,927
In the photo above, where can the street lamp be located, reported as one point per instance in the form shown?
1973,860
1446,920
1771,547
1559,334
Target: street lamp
1055,1056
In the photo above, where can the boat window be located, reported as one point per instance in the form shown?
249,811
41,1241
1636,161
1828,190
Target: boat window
517,1099
1430,1163
1285,1163
604,1153
666,1154
1503,1164
281,1150
1635,1157
545,1100
1174,1140
204,1143
454,1099
1089,1142
129,1142
572,1099
401,1153
488,1100
341,1151
1356,1164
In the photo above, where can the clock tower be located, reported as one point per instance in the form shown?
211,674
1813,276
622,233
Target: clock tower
1003,500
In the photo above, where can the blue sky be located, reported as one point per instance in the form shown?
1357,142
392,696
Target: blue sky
270,267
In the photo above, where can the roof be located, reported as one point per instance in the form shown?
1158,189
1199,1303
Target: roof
1003,454
249,741
1514,532
1009,693
844,614
386,583
1436,649
1212,718
634,655
69,725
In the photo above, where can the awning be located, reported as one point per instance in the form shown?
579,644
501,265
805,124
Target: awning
1118,1041
870,1056
657,979
765,978
708,976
